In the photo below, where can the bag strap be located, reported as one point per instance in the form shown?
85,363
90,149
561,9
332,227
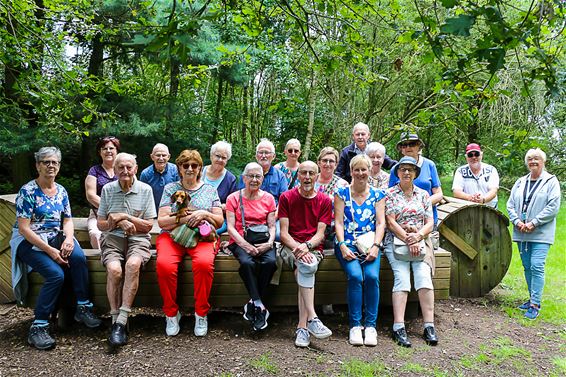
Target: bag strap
352,211
242,210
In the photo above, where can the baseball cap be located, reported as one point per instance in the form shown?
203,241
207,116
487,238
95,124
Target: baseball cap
473,147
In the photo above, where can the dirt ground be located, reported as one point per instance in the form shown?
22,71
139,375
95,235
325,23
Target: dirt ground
476,339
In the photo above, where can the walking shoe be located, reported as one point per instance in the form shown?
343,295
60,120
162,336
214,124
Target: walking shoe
84,315
172,324
400,337
356,338
429,335
532,313
260,318
370,337
39,337
118,336
303,338
317,329
201,325
525,305
249,311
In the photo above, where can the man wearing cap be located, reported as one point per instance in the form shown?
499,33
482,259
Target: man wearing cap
477,182
304,214
160,173
360,134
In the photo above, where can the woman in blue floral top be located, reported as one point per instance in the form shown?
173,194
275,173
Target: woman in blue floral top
42,240
358,209
408,210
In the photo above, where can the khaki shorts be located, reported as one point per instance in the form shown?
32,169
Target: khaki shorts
305,273
112,248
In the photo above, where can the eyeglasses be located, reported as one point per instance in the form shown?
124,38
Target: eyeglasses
254,176
307,172
220,157
328,161
192,165
264,153
473,154
409,144
291,150
409,170
49,163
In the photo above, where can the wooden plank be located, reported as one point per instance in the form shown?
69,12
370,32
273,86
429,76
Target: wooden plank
455,239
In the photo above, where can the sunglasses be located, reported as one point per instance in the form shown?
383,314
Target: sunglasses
291,150
49,163
473,154
192,165
409,144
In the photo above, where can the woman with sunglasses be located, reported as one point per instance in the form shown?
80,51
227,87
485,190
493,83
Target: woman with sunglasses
411,145
358,209
290,167
99,175
42,239
204,204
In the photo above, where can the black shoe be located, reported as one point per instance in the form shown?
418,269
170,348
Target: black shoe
400,337
429,336
260,320
39,337
249,311
85,315
118,335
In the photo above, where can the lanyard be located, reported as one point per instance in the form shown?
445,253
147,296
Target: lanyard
528,192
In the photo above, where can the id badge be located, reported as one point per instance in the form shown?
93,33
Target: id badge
523,216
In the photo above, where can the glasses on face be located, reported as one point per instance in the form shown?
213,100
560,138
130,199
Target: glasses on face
49,163
291,150
473,154
192,165
328,161
220,157
254,176
307,173
408,170
409,144
264,153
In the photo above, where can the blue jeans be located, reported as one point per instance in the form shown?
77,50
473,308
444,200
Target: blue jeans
222,229
533,256
363,288
54,276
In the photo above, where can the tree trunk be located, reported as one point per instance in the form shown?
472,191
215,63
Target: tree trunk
217,109
245,113
310,126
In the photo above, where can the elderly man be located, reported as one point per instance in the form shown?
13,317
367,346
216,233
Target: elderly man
304,214
274,181
125,216
477,182
160,173
361,135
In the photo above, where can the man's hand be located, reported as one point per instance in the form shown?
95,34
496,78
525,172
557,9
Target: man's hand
128,227
300,250
115,218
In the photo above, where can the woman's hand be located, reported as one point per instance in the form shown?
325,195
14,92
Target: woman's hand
56,256
264,247
249,248
413,238
67,247
373,253
414,249
347,254
196,217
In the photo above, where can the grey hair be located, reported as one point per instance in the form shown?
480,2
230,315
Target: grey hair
358,159
222,145
267,143
160,146
535,152
293,141
360,125
251,166
375,147
47,151
125,156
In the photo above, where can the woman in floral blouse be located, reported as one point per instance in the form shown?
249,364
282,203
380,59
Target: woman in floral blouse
290,167
358,209
378,178
408,211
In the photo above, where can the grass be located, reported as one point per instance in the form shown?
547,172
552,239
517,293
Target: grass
560,366
359,368
501,351
264,363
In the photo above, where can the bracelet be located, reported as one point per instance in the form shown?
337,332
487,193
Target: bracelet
341,243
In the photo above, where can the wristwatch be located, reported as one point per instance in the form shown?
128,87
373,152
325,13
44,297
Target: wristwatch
309,245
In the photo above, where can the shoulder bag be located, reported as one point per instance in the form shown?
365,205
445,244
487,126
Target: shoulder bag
254,234
401,250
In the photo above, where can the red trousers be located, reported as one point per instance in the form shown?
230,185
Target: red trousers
169,255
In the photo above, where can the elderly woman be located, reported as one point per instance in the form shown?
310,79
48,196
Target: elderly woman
411,146
378,178
290,167
204,205
43,241
218,176
359,209
99,175
253,206
409,218
533,206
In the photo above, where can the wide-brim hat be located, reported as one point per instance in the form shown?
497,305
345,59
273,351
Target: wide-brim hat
407,136
407,160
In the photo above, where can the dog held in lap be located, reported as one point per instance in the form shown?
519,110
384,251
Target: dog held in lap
182,200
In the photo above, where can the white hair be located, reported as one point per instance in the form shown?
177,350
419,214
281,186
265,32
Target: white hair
293,142
47,151
125,156
252,166
221,145
535,152
160,146
360,125
265,143
375,147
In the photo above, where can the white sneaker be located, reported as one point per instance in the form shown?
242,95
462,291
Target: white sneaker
201,325
356,338
370,336
172,324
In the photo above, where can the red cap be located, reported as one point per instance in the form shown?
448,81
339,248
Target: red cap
473,147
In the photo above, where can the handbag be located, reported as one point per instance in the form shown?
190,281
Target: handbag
254,234
185,236
401,251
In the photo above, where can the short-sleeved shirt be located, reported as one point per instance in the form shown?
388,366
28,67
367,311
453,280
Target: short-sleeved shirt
45,212
224,185
289,174
157,180
274,182
413,211
255,211
138,202
304,214
102,178
468,182
427,179
381,181
364,216
331,187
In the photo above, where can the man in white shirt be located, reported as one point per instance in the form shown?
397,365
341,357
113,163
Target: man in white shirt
477,182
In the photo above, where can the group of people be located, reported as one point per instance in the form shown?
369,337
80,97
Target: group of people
344,200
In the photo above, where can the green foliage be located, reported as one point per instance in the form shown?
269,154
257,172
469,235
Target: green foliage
359,368
264,364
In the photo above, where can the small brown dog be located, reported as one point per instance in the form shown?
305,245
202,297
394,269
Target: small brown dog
181,199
